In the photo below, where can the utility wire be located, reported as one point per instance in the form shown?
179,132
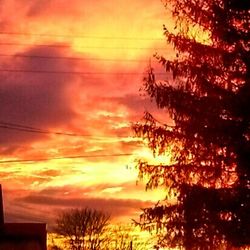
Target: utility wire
83,47
30,129
41,132
72,72
21,126
66,157
82,36
71,58
67,72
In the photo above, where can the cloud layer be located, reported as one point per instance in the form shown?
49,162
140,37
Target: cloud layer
74,69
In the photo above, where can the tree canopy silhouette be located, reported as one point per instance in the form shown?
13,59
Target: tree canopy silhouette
83,228
90,229
208,100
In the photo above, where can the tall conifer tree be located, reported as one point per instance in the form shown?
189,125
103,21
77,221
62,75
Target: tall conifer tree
208,100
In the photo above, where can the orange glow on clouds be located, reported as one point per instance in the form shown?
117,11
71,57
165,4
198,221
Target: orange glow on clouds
75,69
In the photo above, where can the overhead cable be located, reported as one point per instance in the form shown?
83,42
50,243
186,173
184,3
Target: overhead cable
66,157
81,36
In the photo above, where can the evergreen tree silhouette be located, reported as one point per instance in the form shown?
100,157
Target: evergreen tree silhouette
208,100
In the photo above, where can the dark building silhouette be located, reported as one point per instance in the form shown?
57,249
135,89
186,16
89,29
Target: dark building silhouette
21,236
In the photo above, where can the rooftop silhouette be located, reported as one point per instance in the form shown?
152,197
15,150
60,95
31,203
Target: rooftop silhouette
21,236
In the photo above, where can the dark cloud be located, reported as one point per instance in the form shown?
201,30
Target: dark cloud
138,105
32,205
40,100
74,190
116,207
37,7
49,173
135,104
51,9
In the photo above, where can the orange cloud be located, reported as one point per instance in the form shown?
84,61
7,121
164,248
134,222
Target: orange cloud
74,68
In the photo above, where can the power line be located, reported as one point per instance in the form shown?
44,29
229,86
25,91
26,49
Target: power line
83,47
72,72
71,58
19,125
30,129
42,131
83,36
66,157
67,72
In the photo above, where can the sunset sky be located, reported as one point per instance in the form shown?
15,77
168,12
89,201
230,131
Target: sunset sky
70,78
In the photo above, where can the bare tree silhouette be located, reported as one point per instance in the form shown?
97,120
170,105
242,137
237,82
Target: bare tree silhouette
83,228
